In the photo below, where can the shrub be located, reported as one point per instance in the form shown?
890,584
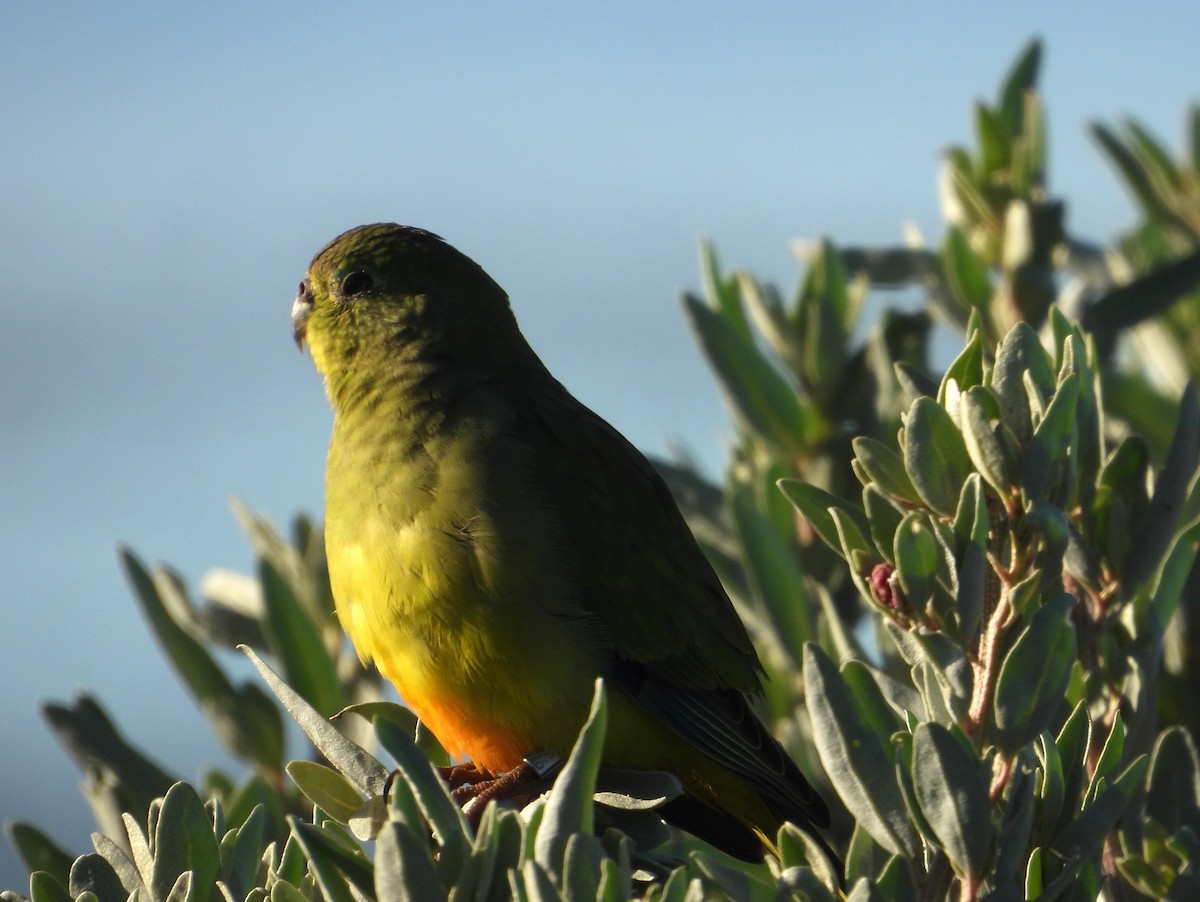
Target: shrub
981,587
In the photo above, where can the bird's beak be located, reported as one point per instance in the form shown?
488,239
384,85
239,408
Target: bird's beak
301,310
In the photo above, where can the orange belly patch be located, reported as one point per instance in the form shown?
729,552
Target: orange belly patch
487,745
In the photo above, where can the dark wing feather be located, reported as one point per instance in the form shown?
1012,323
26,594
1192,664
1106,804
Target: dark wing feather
642,576
679,647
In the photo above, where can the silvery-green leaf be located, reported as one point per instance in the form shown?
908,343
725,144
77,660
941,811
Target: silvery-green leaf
953,797
934,455
1034,675
854,757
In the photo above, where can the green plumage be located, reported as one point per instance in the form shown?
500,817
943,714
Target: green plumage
494,545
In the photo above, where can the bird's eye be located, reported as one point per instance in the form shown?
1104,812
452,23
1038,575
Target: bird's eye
356,282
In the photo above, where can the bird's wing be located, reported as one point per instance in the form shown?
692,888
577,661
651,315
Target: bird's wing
655,598
678,646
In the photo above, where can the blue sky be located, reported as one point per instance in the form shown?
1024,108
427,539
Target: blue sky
166,174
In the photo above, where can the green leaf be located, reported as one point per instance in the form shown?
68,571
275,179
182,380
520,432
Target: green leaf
722,291
953,797
1034,675
934,455
1194,136
326,788
967,274
1152,197
296,643
1052,785
1033,875
1173,785
823,318
799,849
735,883
1110,757
44,887
120,862
1053,438
976,209
895,881
301,565
192,662
538,885
884,467
1028,169
878,715
913,382
1021,352
93,874
916,553
431,794
93,741
766,312
971,515
903,749
858,552
570,808
292,862
409,727
1020,81
1121,497
774,572
139,847
761,399
1143,877
581,867
348,757
1132,398
479,871
825,283
282,891
250,725
991,446
971,538
332,863
38,852
854,756
403,867
1156,528
254,792
1083,836
995,140
945,656
883,519
1016,827
796,883
816,506
1018,260
184,841
241,867
1073,742
966,370
936,698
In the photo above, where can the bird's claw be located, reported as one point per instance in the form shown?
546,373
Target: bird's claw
473,789
457,775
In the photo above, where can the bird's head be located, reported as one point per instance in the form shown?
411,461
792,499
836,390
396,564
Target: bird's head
387,295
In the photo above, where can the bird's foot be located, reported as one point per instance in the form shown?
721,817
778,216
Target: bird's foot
516,784
473,788
457,775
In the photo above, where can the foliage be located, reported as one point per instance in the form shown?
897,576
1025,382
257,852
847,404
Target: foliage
981,586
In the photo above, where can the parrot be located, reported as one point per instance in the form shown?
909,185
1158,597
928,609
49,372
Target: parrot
494,547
